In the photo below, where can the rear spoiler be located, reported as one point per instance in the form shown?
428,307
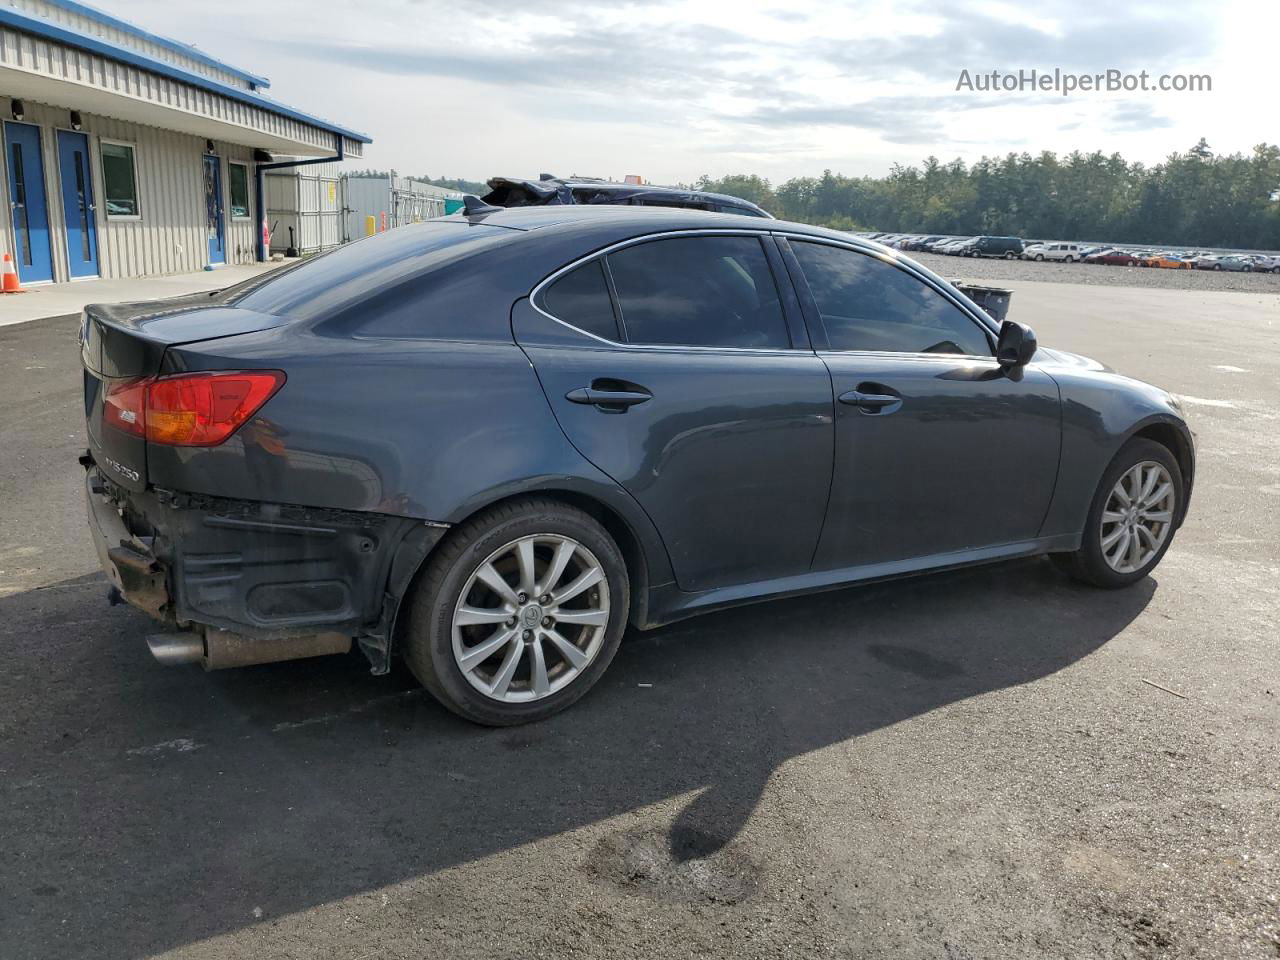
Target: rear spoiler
129,339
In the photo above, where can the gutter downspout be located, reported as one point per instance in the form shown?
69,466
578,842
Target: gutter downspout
260,191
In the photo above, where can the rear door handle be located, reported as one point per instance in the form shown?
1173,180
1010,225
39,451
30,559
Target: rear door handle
871,402
618,399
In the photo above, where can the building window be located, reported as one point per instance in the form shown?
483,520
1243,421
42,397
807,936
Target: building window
239,176
119,179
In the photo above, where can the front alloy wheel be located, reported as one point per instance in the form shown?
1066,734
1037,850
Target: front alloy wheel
1138,517
1136,509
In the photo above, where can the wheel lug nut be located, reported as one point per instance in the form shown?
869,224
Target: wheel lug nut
528,634
523,598
511,622
547,621
545,598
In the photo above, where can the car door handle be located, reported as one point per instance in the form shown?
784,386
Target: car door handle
618,399
871,402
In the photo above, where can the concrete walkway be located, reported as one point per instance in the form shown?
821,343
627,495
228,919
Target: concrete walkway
58,299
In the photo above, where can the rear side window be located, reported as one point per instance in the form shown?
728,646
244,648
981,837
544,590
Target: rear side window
706,291
581,299
867,304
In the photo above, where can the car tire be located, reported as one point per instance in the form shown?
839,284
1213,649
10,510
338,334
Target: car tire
1089,563
1070,259
1039,258
435,647
1275,269
1131,263
1008,254
1217,266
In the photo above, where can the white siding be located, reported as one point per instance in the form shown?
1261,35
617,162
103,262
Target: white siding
111,34
169,236
139,89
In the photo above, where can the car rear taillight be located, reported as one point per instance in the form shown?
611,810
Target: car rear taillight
189,409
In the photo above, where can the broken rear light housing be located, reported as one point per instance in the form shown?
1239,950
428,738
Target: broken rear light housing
189,409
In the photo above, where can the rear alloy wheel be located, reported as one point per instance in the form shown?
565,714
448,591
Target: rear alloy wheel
519,613
1132,519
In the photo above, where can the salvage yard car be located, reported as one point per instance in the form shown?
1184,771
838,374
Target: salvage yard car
1010,248
488,443
550,190
1167,261
1121,258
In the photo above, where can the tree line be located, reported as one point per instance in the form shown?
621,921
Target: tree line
1197,198
449,183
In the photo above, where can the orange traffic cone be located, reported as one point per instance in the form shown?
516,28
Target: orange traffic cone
11,284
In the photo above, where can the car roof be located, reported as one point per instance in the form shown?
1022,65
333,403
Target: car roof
640,219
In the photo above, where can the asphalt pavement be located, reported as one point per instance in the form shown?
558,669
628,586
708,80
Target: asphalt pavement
991,763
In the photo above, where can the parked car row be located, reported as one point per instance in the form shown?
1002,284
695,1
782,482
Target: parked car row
1007,247
1011,248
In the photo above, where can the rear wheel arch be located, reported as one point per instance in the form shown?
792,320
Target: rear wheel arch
630,543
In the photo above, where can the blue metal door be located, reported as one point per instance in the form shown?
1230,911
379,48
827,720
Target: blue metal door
77,203
27,202
213,209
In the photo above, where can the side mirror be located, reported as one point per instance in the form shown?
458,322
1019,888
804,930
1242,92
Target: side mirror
1016,346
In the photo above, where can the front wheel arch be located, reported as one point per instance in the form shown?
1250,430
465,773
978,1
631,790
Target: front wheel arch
1175,439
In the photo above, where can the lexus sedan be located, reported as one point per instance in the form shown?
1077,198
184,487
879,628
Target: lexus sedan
487,443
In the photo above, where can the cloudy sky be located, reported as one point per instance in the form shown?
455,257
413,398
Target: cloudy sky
672,90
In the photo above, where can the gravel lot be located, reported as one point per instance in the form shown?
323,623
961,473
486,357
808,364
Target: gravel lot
1085,273
956,767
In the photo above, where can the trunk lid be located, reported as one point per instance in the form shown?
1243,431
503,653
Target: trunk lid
123,342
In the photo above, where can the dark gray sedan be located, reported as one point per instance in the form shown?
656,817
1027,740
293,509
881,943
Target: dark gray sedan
487,443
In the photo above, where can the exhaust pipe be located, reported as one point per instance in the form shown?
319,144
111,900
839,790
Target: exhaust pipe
223,649
174,648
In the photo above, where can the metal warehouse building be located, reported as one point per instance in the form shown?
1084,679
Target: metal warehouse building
128,154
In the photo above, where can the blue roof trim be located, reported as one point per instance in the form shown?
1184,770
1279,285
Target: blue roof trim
186,49
76,38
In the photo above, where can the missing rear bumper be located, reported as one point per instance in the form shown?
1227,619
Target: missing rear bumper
257,582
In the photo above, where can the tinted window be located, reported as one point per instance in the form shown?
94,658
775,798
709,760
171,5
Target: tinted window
581,298
867,304
375,267
701,291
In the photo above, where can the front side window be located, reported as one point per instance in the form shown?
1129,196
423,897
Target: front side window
119,180
581,299
707,291
867,304
238,180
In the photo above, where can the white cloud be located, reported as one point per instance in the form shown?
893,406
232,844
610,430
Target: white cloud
672,90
